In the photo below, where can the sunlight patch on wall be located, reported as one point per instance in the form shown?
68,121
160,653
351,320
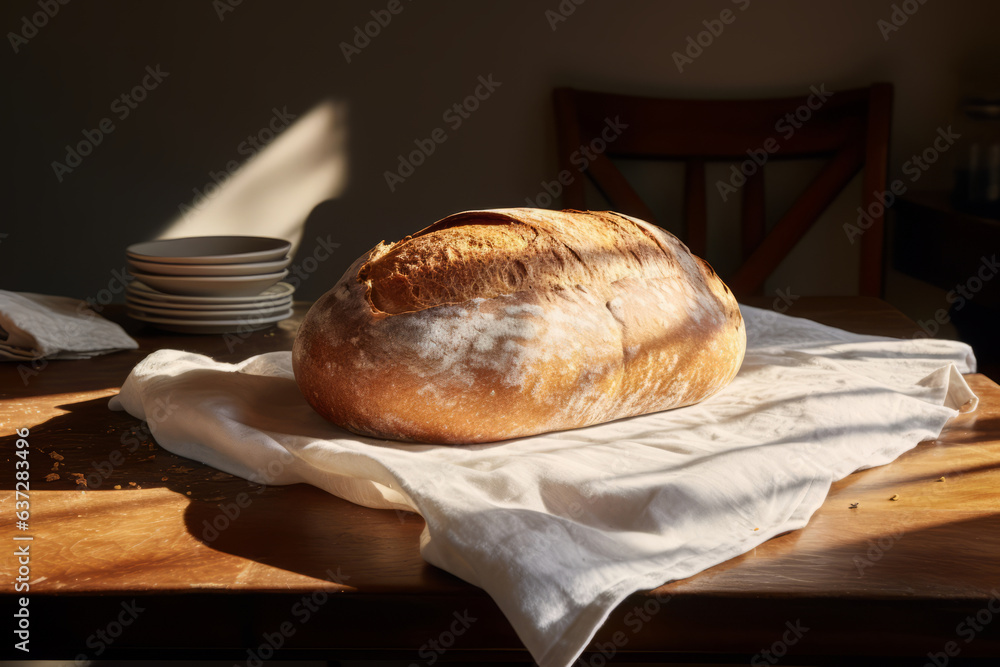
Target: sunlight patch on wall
273,193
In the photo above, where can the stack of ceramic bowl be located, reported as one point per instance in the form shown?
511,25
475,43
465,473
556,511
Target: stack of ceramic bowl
210,284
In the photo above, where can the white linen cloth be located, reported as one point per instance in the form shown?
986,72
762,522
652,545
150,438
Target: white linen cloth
35,326
560,528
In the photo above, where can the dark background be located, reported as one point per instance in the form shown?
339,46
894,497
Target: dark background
229,70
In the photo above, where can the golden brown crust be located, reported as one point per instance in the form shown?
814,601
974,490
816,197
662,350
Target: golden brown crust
472,256
496,324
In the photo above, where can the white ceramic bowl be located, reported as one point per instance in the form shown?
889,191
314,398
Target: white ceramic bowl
218,286
248,269
210,250
140,290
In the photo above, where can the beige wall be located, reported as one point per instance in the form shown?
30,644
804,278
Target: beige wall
227,75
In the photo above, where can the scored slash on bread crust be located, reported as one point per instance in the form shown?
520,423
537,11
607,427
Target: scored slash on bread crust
480,256
490,325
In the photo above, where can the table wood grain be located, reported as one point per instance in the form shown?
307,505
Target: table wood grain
218,564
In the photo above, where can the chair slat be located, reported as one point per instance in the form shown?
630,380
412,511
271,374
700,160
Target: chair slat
612,183
876,167
849,128
750,277
722,129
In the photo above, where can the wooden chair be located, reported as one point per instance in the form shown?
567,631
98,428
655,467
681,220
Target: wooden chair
851,128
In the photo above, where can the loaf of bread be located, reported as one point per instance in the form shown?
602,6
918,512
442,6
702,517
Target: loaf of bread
497,324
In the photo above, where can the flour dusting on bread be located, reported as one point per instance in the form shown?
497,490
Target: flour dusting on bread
496,324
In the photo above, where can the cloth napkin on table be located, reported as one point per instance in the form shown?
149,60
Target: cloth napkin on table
33,326
560,528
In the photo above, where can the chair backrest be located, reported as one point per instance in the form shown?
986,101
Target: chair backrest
850,128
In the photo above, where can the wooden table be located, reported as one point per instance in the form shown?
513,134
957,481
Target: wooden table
888,579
